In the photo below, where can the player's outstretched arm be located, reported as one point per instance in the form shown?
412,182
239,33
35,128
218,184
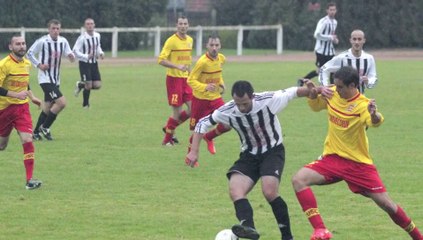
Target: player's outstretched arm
192,156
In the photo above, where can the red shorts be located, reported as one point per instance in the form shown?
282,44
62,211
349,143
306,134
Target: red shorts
178,91
15,116
360,177
201,108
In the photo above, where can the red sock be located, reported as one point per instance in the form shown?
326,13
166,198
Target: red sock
170,129
402,220
28,149
183,117
309,204
219,130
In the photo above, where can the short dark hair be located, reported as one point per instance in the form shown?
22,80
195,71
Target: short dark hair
331,4
14,36
182,16
242,87
53,21
347,75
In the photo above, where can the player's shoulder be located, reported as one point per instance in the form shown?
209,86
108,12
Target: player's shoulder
263,96
366,54
189,38
61,39
4,60
221,57
43,38
227,108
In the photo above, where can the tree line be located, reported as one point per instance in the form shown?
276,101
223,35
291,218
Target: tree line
387,24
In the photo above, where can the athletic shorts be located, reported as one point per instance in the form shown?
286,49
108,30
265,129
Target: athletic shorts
51,92
201,108
15,116
89,71
270,163
178,91
360,177
322,59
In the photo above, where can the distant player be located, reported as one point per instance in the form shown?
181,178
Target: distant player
88,50
14,108
176,57
207,85
346,155
50,49
354,57
325,39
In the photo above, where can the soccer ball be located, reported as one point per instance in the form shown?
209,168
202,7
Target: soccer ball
226,234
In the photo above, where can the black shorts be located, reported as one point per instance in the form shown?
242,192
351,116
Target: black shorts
51,92
89,71
270,163
322,59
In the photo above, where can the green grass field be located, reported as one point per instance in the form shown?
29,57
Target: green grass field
106,175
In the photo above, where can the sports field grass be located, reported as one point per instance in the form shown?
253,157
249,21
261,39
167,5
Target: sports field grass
106,175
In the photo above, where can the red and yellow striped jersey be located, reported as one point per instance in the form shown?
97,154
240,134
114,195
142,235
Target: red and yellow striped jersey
14,76
348,120
178,51
207,70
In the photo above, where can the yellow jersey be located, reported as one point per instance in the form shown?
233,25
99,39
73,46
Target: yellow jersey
207,70
348,120
178,51
14,76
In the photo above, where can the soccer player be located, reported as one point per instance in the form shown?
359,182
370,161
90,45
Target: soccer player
325,39
176,57
207,86
346,154
49,49
87,50
14,108
355,57
254,117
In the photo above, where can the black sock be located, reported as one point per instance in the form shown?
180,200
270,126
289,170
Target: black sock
40,121
280,210
244,212
311,74
49,120
86,97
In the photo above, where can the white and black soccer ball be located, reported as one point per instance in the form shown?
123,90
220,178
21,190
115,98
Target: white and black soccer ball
226,234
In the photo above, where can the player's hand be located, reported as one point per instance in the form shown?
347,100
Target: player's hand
364,80
211,87
71,57
20,95
101,55
335,39
90,56
372,107
191,159
36,101
43,67
326,91
183,68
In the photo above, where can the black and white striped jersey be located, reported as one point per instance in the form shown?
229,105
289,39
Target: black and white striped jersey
86,44
49,52
259,130
325,28
365,64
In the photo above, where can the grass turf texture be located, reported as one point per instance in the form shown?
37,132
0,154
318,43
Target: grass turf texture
106,175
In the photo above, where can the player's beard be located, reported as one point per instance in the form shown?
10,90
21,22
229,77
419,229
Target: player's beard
20,53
